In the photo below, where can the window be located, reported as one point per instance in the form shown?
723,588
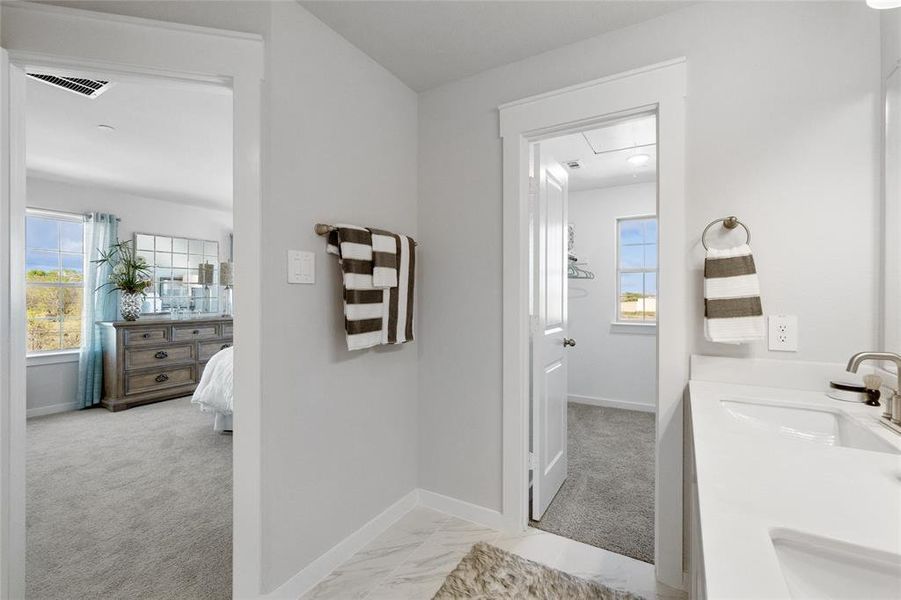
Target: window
54,280
636,269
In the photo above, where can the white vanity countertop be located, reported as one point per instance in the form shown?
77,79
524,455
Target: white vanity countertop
751,482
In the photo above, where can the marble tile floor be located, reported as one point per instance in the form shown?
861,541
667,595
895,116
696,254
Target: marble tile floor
411,559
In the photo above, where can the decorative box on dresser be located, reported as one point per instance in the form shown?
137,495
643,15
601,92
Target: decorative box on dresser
155,359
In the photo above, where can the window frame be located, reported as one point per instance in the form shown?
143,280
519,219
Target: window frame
618,319
59,216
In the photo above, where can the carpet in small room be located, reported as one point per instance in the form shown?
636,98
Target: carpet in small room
132,504
607,499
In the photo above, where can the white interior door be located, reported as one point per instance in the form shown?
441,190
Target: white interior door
549,341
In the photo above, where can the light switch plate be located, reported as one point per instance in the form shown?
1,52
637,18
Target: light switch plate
783,333
301,267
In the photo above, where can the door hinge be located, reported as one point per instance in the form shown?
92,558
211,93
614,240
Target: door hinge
533,462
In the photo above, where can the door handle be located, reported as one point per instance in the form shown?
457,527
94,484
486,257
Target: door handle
568,342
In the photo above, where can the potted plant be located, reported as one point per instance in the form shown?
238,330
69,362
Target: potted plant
130,274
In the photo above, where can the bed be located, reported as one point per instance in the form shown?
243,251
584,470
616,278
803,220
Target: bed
215,392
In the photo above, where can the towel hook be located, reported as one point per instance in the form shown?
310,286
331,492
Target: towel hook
730,222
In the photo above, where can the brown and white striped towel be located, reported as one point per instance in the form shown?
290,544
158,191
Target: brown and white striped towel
374,315
365,306
384,258
399,328
732,310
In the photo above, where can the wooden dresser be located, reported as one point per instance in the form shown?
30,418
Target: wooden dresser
155,359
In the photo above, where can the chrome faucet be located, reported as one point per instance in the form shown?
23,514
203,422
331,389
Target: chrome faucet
893,405
858,358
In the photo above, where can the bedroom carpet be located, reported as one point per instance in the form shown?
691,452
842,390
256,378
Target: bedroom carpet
607,499
133,504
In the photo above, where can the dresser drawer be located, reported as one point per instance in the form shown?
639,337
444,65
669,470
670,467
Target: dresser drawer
228,329
146,335
148,381
137,358
184,333
206,350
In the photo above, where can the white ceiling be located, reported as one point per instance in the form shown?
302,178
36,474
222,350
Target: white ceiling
171,140
426,44
604,152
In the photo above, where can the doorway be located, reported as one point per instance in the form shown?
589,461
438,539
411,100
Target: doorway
128,195
129,48
592,429
661,89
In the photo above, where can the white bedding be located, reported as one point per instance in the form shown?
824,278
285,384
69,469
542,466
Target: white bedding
215,392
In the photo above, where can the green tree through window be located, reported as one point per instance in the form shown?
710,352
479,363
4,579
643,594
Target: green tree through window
54,280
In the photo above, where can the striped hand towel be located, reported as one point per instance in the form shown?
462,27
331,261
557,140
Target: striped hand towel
384,258
732,310
365,306
374,315
399,328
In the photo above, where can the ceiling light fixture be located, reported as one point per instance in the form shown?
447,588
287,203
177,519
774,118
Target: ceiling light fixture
106,128
883,4
639,160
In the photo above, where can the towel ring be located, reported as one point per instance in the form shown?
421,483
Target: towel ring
728,223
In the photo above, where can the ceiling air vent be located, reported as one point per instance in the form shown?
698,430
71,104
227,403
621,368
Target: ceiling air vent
83,87
574,164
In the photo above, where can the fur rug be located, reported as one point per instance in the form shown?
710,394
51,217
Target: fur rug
491,573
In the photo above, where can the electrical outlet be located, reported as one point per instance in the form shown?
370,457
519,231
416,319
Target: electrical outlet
783,333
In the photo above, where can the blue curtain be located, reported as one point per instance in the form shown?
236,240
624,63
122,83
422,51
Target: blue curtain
100,232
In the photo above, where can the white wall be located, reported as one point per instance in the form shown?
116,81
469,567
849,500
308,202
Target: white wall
340,428
339,144
614,364
783,129
51,386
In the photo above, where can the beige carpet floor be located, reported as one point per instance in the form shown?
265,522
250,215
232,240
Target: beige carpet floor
607,499
129,505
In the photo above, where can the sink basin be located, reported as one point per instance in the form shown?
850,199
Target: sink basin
817,425
815,567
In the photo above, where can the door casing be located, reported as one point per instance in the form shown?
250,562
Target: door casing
85,42
659,88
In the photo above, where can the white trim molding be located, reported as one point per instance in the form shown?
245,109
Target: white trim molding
86,43
307,578
323,566
611,403
43,411
661,89
51,358
463,510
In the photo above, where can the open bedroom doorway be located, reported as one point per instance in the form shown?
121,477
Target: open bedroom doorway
129,283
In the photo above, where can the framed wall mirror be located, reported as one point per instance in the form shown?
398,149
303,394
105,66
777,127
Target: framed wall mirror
185,273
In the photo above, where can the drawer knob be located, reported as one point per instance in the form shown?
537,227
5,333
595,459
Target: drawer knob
161,354
161,378
224,346
146,336
196,331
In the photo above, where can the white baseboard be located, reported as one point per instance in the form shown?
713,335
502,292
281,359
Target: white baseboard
320,568
49,410
323,566
462,509
611,403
